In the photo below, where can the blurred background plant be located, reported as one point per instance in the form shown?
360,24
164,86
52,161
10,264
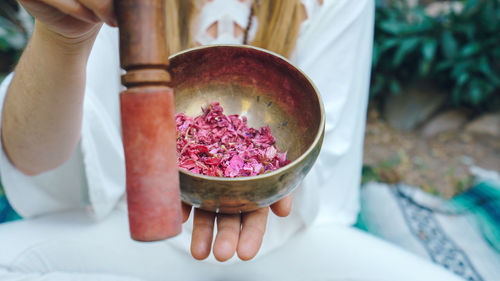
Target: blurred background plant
434,113
455,45
15,27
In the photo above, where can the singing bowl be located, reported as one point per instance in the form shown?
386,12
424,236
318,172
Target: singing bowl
268,90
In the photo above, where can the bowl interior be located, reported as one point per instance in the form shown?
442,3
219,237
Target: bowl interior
250,82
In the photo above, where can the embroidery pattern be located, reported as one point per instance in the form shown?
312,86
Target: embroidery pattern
427,230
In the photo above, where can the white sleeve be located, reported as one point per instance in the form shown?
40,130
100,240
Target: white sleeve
94,178
334,49
102,146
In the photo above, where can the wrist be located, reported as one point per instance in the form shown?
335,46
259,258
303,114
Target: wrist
78,46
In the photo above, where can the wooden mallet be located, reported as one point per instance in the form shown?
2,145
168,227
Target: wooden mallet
148,122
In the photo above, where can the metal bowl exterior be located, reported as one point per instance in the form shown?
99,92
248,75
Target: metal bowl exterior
268,90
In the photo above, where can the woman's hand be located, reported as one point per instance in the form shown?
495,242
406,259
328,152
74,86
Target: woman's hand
241,233
71,18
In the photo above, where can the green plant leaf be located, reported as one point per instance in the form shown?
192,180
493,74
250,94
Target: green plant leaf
485,68
470,49
425,67
444,65
475,93
394,86
471,5
375,54
16,41
389,43
11,37
378,84
4,45
406,47
393,27
470,31
463,66
429,49
456,93
462,78
428,52
369,174
459,51
450,45
488,16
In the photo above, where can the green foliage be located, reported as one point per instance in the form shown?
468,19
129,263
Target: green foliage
13,34
369,174
457,50
11,38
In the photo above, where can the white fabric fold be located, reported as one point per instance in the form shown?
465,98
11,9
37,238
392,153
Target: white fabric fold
335,52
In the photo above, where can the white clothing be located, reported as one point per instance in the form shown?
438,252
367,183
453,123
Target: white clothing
227,14
70,246
334,50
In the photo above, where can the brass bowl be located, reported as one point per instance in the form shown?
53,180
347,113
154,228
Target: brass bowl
268,90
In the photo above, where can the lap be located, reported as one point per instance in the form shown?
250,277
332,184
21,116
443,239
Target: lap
73,243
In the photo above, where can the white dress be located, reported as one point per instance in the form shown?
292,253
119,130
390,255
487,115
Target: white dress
333,49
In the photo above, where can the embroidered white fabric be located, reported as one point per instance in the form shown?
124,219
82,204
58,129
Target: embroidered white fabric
226,14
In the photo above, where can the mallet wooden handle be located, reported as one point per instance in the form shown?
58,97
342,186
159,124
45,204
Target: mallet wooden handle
148,124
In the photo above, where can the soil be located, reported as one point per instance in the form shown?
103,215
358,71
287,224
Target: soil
439,165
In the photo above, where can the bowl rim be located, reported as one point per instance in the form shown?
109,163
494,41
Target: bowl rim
299,159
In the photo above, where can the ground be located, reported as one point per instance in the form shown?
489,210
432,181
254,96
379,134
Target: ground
439,165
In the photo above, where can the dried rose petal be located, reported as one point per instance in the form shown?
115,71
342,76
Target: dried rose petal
217,145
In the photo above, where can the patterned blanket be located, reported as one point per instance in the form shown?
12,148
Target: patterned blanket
461,234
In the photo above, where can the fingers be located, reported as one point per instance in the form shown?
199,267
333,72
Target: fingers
104,9
203,230
228,231
72,8
252,233
186,211
283,207
241,233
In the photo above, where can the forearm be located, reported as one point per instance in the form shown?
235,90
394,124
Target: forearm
42,112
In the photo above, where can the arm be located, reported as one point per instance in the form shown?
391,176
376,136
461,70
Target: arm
43,108
42,112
